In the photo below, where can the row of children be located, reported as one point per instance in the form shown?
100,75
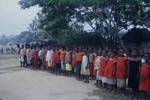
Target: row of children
113,70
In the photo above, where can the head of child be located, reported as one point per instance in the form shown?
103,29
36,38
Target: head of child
111,54
146,57
98,53
121,52
104,53
134,52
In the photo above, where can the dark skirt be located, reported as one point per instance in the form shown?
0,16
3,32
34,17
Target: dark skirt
78,67
134,75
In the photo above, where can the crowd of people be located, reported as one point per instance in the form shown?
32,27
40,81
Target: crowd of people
7,51
113,70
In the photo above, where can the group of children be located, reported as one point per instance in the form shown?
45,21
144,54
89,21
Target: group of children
111,69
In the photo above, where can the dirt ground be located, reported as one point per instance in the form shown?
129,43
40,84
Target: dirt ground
18,83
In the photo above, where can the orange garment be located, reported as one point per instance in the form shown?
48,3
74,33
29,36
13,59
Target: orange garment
62,55
79,56
103,64
110,68
57,56
121,67
145,82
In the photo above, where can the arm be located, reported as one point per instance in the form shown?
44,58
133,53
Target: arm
144,78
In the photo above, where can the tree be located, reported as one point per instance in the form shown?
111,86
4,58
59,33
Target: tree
105,17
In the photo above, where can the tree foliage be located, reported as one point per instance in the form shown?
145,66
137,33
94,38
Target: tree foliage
61,19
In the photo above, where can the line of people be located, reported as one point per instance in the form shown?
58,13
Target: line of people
111,69
7,51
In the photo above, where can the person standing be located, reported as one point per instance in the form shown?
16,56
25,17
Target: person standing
74,60
103,64
144,86
23,58
134,72
58,65
49,58
28,53
97,68
110,70
68,59
45,64
79,56
91,63
34,58
85,71
121,71
62,59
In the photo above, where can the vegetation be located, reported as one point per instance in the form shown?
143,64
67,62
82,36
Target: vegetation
66,21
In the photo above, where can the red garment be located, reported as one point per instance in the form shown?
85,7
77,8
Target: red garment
57,56
53,59
34,56
79,56
103,64
145,83
110,68
121,67
62,55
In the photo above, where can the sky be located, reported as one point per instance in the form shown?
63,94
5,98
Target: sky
13,19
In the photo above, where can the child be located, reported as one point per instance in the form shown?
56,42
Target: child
73,60
91,63
29,56
45,64
134,72
48,58
68,59
62,59
110,70
145,76
85,68
53,60
34,58
21,56
121,71
79,56
103,64
97,68
58,66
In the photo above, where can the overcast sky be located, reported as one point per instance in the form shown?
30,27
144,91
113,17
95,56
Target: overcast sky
14,20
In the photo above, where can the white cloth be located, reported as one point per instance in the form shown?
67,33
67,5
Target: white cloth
143,60
97,67
22,54
39,53
28,56
49,57
84,66
108,81
111,81
97,63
